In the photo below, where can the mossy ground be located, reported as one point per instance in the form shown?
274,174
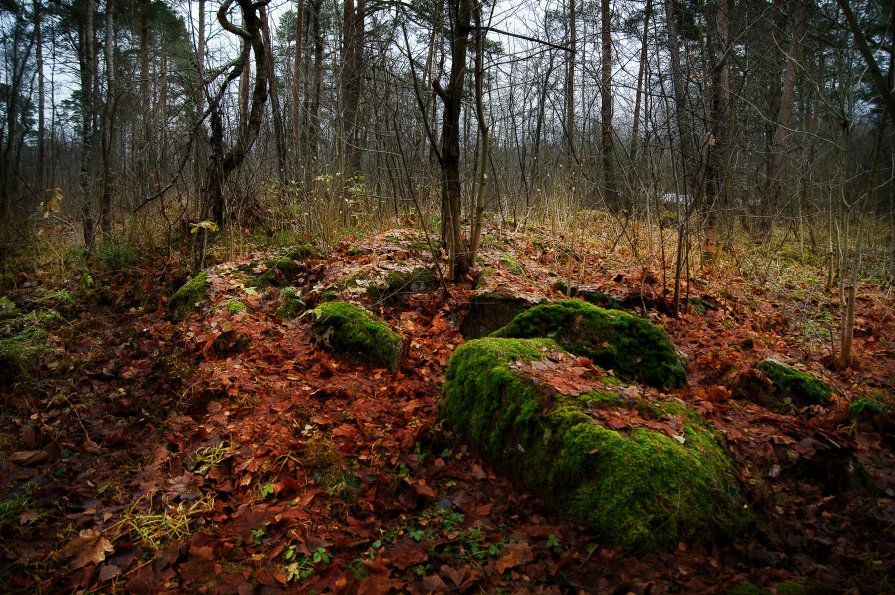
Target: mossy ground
184,300
8,308
640,489
628,344
794,386
512,264
353,331
21,353
234,306
291,303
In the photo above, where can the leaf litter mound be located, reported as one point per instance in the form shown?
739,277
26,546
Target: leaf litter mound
228,453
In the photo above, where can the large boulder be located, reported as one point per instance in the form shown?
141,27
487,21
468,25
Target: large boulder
630,345
637,486
346,329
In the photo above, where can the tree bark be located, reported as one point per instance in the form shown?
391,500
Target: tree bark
638,94
275,108
771,198
879,81
87,63
296,87
351,82
607,148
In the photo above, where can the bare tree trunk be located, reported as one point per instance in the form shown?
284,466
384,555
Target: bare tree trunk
478,213
105,202
570,78
200,147
41,97
452,97
87,61
771,198
682,114
352,77
607,149
715,195
887,93
638,95
277,112
296,87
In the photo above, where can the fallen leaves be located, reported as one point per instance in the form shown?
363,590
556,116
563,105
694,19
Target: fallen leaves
89,547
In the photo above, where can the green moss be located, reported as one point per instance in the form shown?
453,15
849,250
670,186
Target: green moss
234,306
20,354
640,489
61,298
301,252
789,588
330,295
277,272
628,344
399,285
351,330
184,300
696,305
512,264
794,385
292,303
483,277
7,308
747,588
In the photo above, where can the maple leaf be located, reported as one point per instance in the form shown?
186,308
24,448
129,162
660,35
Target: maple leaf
89,547
515,554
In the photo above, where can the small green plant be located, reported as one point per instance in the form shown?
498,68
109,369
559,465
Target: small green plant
301,567
416,534
258,535
267,489
553,543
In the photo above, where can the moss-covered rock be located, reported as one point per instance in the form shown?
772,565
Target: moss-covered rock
588,294
184,300
512,264
21,353
638,488
278,272
301,252
291,303
234,306
632,346
350,330
399,285
8,308
793,386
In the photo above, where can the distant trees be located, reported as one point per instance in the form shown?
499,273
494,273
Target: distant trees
755,110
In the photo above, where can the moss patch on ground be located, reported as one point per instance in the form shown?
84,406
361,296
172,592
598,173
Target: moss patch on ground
7,308
794,386
399,285
512,264
184,300
301,252
20,354
234,306
350,330
632,346
639,488
291,303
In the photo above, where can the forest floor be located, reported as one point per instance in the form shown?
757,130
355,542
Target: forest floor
227,453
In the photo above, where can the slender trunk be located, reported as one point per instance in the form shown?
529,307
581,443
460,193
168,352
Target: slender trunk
351,81
771,198
607,149
296,88
105,202
200,147
570,78
452,97
88,69
887,93
277,112
479,208
638,95
41,98
680,97
716,197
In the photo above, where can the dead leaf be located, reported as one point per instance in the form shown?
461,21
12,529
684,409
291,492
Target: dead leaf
89,547
514,554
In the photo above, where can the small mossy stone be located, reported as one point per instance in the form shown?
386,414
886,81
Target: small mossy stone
21,353
512,264
795,386
399,285
350,330
865,408
278,272
632,346
789,588
7,308
184,300
301,252
639,489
